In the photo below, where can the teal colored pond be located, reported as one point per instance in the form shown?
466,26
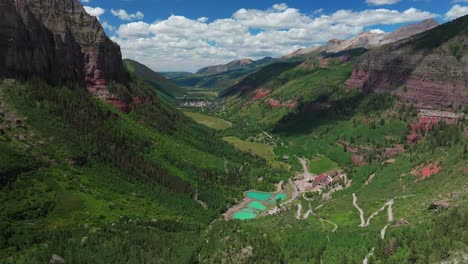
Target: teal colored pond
244,215
261,202
249,210
257,205
261,196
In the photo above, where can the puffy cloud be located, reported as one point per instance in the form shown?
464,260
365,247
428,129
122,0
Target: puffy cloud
280,7
122,14
382,2
94,11
107,26
456,11
180,43
377,31
202,19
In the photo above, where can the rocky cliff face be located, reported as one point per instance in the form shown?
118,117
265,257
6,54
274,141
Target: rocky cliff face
368,40
408,31
429,69
58,40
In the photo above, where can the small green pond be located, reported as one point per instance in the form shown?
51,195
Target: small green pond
244,215
257,205
260,203
261,196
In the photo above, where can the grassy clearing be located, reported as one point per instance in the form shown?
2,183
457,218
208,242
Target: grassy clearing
259,149
201,93
320,165
209,121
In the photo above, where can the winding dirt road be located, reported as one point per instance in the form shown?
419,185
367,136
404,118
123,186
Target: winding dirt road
305,168
361,212
299,211
365,223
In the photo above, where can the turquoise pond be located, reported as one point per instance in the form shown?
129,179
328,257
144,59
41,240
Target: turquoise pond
261,196
257,205
260,203
244,216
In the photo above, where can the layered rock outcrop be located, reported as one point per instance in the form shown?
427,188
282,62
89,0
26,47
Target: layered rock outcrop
57,40
368,40
429,69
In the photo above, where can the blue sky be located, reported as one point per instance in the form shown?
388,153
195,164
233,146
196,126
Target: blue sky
189,34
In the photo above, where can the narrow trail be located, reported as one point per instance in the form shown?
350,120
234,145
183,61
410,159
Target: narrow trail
365,223
203,204
369,180
299,211
366,259
305,167
311,212
390,212
307,214
361,212
382,232
389,203
331,223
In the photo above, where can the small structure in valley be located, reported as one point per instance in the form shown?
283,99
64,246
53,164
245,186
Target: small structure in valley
323,180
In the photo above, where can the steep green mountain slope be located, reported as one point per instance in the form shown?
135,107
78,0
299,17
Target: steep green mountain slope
220,79
268,95
86,163
165,86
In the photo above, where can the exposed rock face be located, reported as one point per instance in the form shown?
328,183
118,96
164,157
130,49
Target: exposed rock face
408,31
57,40
368,40
429,69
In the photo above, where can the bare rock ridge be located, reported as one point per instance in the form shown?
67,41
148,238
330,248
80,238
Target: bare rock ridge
429,69
57,40
233,65
226,67
368,40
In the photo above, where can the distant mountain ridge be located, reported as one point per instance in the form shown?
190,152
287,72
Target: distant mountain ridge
368,40
158,81
233,65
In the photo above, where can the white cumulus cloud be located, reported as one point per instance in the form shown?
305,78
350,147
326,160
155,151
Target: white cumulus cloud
456,11
377,31
107,26
382,2
122,14
180,43
94,11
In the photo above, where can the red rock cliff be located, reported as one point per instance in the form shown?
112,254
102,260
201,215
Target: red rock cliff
429,69
58,40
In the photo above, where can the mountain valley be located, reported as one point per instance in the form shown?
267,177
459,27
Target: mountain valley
351,152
